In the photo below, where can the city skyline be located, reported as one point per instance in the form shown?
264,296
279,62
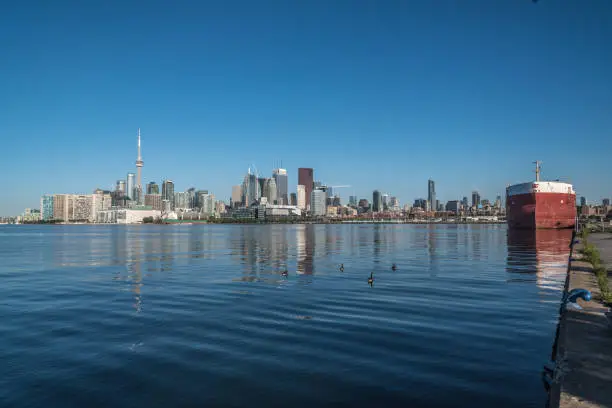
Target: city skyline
380,100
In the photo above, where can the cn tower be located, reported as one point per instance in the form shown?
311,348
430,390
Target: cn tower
139,164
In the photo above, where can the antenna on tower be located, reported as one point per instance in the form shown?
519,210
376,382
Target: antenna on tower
537,170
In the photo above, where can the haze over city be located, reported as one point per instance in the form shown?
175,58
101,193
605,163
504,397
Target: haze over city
375,96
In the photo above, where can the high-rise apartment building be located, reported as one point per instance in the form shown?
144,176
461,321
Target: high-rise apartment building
465,203
385,202
152,188
306,179
293,199
281,180
353,200
154,201
121,187
605,202
301,197
583,201
168,193
318,202
475,199
130,186
251,189
46,207
180,200
377,204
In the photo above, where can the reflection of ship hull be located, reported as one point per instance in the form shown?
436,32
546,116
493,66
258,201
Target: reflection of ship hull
541,205
542,252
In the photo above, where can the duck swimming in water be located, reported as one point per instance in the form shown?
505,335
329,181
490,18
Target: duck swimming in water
285,273
394,267
341,268
371,278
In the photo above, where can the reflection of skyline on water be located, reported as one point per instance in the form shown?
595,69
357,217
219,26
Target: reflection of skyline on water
539,256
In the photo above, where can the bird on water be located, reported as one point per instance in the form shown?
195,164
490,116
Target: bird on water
371,278
394,267
285,273
341,267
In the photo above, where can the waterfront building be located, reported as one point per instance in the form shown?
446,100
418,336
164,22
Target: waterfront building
394,204
363,203
208,206
318,202
281,181
60,207
168,192
100,201
306,179
129,190
46,207
154,201
152,188
377,205
127,216
475,199
431,195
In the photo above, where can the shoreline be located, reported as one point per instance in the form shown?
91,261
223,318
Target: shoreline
582,351
196,222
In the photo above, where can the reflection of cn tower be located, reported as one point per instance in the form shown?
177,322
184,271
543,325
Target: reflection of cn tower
134,268
139,164
305,244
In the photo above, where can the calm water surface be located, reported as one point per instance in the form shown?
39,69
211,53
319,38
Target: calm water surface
173,316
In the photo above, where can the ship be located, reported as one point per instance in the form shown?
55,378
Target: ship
541,204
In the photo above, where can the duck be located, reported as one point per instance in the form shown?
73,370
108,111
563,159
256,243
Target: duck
341,267
371,278
285,273
394,267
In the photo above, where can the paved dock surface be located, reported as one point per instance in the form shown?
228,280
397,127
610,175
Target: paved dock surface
584,354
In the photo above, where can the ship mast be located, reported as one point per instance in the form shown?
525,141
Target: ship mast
537,171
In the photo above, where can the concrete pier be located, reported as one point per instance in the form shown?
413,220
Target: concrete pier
584,344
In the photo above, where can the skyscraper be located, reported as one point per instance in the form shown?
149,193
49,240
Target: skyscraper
293,199
280,178
431,194
139,164
301,197
152,188
464,202
168,192
121,186
385,201
605,202
306,179
250,189
475,199
130,186
583,201
46,207
353,200
236,195
318,202
180,200
272,192
377,204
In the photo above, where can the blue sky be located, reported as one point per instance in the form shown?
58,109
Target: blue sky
378,95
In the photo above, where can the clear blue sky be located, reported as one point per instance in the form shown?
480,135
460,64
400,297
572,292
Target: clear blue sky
378,95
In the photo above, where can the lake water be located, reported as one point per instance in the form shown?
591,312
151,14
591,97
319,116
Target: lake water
177,316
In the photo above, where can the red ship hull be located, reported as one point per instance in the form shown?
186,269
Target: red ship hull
541,210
